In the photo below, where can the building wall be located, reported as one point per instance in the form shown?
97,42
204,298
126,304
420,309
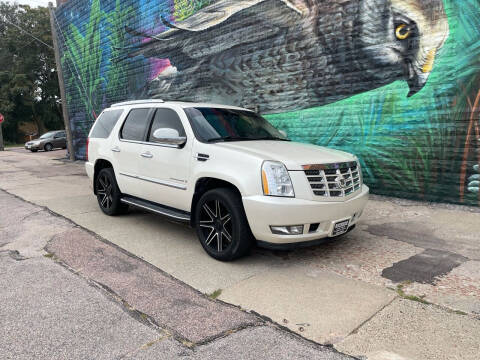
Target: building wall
397,82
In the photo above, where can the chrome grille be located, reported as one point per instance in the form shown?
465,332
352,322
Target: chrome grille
334,180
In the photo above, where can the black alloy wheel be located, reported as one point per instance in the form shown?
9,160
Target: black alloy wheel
216,225
104,192
108,193
48,147
222,226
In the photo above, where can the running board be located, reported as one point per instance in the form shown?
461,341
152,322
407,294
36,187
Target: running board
174,214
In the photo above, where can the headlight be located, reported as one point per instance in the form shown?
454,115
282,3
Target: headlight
275,180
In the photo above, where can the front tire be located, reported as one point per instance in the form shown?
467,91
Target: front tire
108,193
222,225
48,147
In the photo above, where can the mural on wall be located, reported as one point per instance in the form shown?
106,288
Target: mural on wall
396,82
306,54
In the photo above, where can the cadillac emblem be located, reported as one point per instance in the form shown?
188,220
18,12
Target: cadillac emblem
340,182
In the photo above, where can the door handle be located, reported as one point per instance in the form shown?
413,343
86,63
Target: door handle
116,149
147,155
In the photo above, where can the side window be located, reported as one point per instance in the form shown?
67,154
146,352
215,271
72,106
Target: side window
135,125
105,124
166,118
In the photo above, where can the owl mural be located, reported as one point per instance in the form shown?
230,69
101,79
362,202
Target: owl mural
281,55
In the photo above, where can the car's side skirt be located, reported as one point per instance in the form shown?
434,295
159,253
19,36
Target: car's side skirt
175,214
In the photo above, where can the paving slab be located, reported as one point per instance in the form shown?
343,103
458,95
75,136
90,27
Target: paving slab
170,303
173,248
458,235
49,313
322,306
415,331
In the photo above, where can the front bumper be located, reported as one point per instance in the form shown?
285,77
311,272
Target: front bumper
32,147
265,211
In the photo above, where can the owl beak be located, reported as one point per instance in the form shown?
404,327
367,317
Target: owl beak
416,79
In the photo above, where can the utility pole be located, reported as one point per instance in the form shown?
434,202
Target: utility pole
61,83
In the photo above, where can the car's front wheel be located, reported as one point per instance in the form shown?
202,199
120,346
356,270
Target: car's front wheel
108,193
222,225
48,147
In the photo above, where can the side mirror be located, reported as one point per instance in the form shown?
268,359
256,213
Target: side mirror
169,136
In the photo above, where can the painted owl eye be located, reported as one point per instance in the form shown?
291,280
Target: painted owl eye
402,32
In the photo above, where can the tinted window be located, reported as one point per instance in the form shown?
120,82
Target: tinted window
136,124
47,135
212,124
60,135
105,124
166,118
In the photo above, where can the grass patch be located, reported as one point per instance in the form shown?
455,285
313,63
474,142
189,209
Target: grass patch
215,294
50,256
401,293
12,145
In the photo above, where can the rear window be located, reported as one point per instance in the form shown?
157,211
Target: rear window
135,125
105,123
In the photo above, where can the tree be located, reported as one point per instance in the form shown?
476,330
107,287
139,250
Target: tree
28,78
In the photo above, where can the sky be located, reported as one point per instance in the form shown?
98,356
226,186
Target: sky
33,3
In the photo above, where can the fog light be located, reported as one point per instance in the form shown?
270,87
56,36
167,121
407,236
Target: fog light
287,230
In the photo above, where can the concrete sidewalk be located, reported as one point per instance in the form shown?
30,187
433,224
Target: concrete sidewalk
404,285
88,299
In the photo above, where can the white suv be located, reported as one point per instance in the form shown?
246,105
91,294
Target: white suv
224,170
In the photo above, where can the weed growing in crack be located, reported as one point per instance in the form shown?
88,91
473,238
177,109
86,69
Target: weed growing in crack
215,294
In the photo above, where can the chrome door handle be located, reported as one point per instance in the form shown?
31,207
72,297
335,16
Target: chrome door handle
116,149
147,155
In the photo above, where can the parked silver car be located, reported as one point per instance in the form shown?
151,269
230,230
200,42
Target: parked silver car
48,141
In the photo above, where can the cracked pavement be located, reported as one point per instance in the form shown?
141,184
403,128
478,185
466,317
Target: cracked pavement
354,293
67,294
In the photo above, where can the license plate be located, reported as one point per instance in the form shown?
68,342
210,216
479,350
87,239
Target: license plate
340,227
29,146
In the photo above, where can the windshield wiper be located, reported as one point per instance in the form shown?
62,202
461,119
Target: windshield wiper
230,138
270,138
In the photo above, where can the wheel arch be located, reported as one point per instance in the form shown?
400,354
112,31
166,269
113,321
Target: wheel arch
99,165
205,184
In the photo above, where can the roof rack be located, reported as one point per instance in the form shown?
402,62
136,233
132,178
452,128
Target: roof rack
136,102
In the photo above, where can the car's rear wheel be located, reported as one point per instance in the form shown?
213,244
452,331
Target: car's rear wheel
222,225
48,147
108,193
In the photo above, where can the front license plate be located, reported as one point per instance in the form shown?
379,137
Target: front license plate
340,227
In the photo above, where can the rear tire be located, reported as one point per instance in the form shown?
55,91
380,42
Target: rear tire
222,225
108,193
48,147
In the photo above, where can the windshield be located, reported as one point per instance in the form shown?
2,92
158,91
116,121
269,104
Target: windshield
47,135
217,124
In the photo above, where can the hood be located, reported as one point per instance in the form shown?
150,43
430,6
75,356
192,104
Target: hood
292,154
